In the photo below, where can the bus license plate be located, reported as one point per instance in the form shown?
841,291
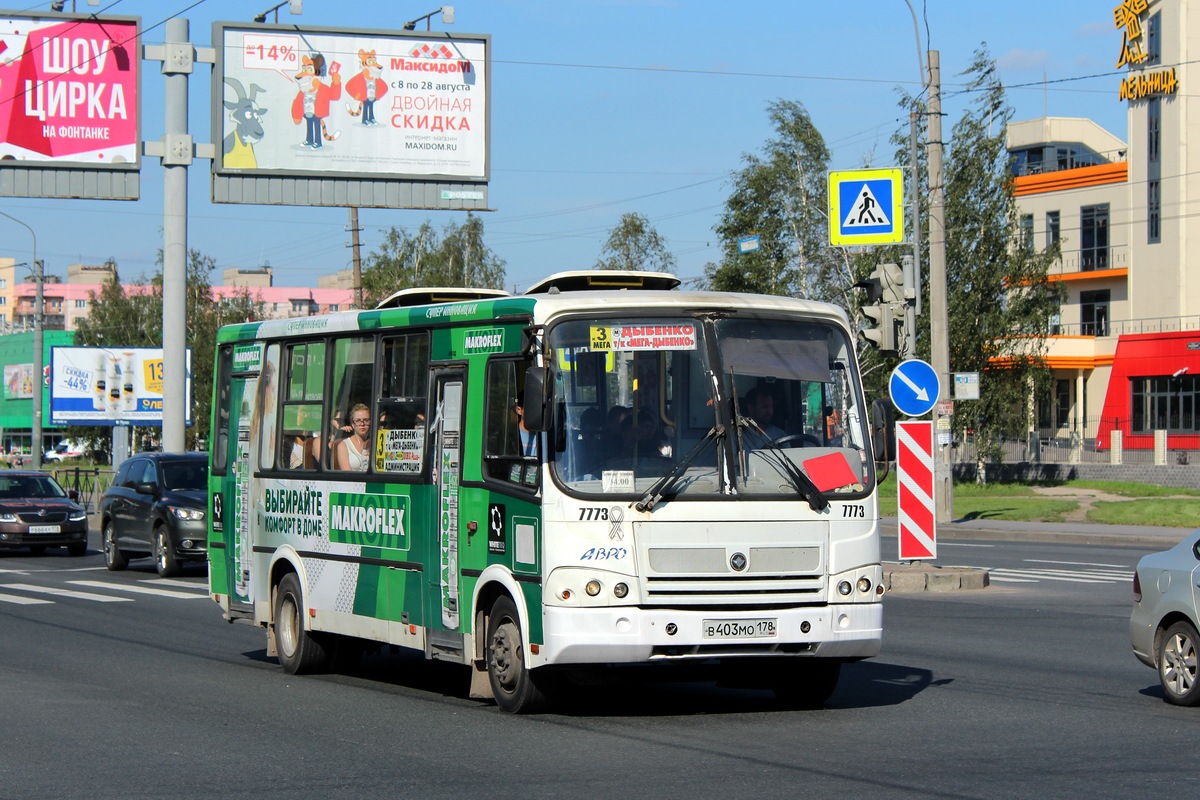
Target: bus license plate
43,529
739,628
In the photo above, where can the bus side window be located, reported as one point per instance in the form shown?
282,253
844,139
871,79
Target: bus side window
403,403
504,457
353,384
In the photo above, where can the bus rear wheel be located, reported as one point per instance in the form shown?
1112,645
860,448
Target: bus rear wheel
513,683
300,650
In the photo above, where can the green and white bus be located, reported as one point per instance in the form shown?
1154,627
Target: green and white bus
605,470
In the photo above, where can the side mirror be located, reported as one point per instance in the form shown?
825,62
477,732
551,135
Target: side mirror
883,427
535,399
73,495
145,488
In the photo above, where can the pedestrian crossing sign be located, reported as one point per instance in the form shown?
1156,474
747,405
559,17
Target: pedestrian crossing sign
866,207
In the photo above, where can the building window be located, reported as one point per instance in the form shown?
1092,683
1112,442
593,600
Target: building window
1027,233
81,303
1164,403
1062,403
3,283
3,301
1093,237
1153,212
333,307
1154,130
1053,229
1093,312
1153,39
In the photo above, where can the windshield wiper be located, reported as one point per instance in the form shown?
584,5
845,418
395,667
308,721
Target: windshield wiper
664,484
781,461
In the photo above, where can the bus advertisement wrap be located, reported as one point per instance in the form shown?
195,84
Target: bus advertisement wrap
110,386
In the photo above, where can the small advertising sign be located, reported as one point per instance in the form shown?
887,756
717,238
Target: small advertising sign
110,386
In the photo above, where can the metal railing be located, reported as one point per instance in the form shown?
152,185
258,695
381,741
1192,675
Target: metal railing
90,482
1091,444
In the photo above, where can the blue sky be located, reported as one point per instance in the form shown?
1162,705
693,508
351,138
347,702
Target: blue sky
603,107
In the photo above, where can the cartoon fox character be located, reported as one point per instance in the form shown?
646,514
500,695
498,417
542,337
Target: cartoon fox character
366,87
312,102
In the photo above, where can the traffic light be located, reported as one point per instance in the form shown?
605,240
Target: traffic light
883,334
891,281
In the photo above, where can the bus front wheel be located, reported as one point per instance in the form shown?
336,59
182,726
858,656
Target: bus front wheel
804,683
300,650
512,681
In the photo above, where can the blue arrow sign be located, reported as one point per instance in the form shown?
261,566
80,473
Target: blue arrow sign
914,387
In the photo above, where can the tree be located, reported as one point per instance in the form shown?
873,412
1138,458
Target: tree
120,317
405,260
634,245
999,297
782,197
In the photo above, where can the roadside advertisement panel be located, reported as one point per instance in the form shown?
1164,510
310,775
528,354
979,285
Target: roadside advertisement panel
110,386
72,85
398,104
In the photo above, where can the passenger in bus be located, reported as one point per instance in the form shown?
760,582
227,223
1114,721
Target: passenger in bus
528,439
353,453
760,406
301,451
649,440
618,433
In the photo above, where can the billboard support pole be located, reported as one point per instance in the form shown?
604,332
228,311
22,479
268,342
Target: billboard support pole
176,157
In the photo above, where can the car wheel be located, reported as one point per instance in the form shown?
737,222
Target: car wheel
77,549
1177,665
514,685
300,650
37,549
164,556
114,559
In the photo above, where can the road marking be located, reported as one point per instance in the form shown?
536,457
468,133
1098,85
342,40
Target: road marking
14,572
197,587
24,601
98,598
1068,576
1076,563
964,544
116,587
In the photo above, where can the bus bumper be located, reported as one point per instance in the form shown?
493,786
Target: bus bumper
629,635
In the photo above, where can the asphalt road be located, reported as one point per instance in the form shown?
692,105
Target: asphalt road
1027,688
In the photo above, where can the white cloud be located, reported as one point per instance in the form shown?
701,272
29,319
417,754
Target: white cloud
1024,60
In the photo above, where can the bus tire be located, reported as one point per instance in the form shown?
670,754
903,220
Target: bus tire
114,559
300,651
804,683
512,682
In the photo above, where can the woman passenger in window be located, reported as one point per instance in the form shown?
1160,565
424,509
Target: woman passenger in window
353,452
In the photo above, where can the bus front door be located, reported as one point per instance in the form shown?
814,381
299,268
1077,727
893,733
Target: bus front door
232,506
447,444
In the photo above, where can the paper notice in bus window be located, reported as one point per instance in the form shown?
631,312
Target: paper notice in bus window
399,451
617,480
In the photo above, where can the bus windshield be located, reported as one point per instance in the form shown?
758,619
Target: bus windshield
752,406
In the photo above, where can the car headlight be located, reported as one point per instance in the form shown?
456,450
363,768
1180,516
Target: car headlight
192,514
7,517
78,516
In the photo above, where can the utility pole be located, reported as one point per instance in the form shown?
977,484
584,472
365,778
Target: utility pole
939,325
357,256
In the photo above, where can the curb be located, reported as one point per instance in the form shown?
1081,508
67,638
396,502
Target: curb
919,577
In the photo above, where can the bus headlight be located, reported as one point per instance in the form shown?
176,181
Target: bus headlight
844,588
592,588
620,590
864,585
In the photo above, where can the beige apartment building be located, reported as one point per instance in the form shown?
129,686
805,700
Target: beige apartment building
1125,349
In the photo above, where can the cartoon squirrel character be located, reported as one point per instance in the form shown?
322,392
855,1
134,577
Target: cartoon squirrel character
312,102
366,87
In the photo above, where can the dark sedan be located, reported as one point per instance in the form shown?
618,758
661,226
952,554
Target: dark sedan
156,506
37,513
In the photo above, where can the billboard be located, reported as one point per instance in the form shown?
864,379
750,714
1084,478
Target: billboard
110,386
363,104
74,89
18,381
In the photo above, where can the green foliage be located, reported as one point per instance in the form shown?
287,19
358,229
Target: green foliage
134,318
781,195
1000,300
458,257
635,245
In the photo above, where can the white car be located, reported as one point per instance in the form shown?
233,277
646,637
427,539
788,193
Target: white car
1163,625
63,450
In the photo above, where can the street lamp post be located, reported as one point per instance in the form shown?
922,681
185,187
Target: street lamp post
38,358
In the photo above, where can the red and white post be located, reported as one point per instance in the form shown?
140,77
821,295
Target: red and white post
914,472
